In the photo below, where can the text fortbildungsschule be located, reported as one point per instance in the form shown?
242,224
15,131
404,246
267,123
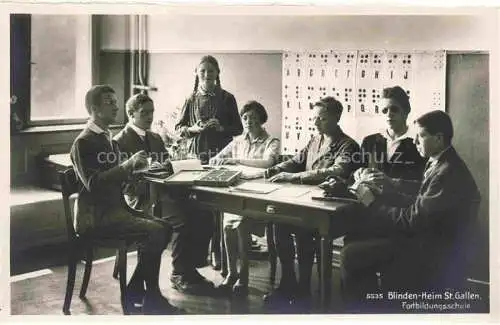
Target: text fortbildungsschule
447,300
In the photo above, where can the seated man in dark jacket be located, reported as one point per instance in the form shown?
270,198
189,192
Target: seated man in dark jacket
331,153
413,231
177,213
100,209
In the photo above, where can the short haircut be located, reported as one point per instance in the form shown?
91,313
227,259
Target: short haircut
331,105
94,95
437,122
399,95
135,102
258,108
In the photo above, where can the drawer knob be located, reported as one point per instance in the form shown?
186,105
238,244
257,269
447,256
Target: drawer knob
271,209
192,196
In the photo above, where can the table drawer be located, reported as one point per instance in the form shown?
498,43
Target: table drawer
229,203
292,213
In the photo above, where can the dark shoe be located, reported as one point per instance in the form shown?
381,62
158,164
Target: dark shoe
156,304
302,303
134,297
279,297
193,283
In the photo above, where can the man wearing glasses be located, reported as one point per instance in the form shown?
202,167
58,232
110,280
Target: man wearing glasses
392,151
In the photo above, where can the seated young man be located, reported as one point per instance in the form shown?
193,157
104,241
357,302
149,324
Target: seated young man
100,208
331,153
392,150
413,231
188,235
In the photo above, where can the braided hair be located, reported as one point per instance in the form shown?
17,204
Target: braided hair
213,61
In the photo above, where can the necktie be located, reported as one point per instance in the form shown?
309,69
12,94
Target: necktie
147,143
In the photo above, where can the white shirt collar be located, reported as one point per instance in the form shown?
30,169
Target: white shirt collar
260,138
138,130
405,135
96,128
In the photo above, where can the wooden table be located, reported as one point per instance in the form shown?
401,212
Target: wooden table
290,204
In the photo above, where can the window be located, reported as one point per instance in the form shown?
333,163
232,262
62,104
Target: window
58,67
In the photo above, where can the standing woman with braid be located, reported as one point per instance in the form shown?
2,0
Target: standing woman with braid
209,119
208,122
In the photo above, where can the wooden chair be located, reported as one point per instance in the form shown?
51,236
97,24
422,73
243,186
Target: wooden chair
79,245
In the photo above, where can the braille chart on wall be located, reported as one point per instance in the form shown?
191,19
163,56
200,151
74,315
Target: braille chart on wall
356,78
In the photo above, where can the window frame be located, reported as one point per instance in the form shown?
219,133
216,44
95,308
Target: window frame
20,59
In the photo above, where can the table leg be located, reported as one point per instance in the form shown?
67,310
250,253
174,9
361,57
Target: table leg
326,272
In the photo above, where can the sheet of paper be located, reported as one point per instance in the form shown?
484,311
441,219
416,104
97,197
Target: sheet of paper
187,164
291,191
254,187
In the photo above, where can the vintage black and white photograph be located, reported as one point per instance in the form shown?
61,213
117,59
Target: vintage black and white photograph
250,161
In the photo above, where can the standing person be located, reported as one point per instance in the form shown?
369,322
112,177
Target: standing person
255,148
392,151
209,118
208,122
177,216
331,153
100,208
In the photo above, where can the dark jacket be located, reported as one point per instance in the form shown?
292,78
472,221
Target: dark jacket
405,163
97,165
210,142
435,214
129,142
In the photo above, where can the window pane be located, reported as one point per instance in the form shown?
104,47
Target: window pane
60,66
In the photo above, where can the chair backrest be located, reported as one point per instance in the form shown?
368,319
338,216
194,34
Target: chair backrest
69,185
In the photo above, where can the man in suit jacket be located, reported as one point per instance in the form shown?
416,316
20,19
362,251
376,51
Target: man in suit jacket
331,153
177,215
392,151
414,231
100,209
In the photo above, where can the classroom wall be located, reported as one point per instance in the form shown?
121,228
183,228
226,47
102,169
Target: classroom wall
183,33
469,107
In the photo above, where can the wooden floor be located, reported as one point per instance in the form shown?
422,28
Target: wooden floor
44,293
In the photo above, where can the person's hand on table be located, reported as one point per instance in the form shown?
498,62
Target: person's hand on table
223,161
155,165
283,177
376,180
137,161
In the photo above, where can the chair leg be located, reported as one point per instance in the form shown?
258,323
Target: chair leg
223,253
115,269
89,257
70,285
122,270
272,254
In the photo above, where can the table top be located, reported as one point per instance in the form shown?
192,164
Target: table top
294,194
